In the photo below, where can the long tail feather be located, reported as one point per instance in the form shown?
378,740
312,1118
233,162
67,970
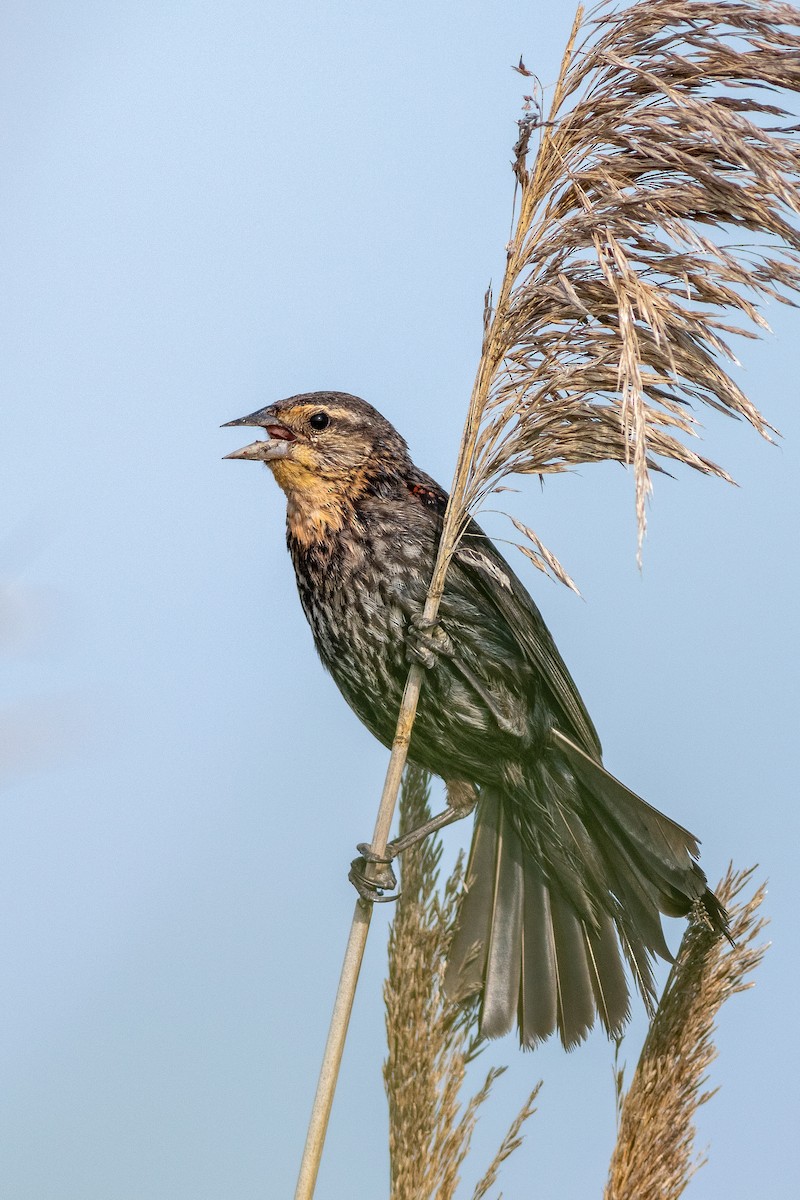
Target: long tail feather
523,946
552,906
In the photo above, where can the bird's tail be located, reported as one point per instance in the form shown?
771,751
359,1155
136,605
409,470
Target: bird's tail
546,919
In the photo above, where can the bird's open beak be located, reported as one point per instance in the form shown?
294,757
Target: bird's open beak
276,444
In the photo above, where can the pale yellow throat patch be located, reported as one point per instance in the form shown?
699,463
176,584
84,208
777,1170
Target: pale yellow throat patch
315,506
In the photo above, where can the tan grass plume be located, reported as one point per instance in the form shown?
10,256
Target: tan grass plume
654,1155
431,1040
659,213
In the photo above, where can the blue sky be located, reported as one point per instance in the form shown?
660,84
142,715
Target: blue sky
207,207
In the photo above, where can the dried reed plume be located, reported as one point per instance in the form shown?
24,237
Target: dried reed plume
654,1154
622,282
431,1040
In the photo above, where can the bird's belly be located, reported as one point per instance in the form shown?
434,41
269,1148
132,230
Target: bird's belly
363,643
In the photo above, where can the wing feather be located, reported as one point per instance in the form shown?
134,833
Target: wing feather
503,598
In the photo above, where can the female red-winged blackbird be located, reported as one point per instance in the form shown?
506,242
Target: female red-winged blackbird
566,864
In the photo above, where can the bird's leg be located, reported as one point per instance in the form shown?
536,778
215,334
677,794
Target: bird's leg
427,642
371,874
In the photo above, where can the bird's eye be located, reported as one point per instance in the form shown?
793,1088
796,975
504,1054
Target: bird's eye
319,421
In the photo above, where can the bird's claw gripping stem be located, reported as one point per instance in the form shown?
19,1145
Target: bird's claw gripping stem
427,641
371,874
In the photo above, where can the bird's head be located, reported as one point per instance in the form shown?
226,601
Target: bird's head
323,448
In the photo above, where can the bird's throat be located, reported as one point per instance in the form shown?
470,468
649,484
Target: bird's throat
316,507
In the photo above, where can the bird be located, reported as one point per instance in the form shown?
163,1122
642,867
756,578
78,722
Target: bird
569,871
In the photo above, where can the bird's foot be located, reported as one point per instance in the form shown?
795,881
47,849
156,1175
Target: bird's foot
427,642
371,874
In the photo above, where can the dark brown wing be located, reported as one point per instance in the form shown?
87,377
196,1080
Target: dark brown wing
479,569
